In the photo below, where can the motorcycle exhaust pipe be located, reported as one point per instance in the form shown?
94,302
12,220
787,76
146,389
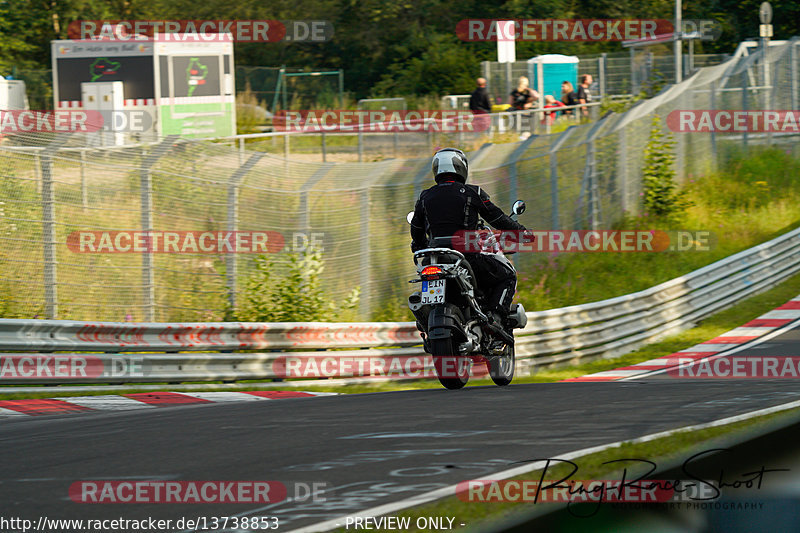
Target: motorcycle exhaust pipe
420,310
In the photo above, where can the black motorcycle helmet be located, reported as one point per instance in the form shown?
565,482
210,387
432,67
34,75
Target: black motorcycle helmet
450,163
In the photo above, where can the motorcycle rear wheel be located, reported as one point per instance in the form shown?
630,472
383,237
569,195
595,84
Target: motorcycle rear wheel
451,369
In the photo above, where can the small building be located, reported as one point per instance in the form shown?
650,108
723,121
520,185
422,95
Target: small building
553,69
185,86
12,94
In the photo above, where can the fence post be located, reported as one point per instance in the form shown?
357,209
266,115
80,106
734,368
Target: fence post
591,168
49,226
233,223
420,178
554,148
305,210
84,192
512,171
286,154
745,107
633,72
513,178
771,95
37,170
601,73
241,150
509,82
366,308
793,56
589,186
360,145
146,192
713,105
622,169
341,88
324,149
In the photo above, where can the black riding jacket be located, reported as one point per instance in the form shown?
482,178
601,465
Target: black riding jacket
450,206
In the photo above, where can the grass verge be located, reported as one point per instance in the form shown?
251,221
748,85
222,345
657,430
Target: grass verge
753,198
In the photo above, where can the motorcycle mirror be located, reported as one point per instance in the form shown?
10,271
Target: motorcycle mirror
410,216
518,208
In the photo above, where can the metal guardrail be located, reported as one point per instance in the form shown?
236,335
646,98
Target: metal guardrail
553,337
68,335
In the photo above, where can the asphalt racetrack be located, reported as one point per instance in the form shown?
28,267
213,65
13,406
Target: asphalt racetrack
367,449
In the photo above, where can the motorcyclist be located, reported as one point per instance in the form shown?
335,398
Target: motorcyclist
451,206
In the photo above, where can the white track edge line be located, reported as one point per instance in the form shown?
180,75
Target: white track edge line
505,474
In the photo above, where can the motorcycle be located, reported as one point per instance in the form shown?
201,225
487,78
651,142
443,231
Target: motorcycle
449,309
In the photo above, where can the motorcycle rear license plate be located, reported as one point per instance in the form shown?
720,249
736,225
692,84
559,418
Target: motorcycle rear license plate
433,291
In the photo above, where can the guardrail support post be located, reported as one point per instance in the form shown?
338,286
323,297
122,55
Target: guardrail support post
49,227
146,192
231,268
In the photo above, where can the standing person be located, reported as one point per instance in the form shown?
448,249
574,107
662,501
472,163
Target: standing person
479,99
584,95
550,102
568,97
523,97
480,105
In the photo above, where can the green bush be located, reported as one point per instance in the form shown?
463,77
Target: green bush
662,198
291,292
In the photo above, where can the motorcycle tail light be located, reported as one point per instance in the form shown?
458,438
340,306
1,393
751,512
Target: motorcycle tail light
431,272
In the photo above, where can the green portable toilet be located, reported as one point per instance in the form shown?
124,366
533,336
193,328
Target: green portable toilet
555,69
